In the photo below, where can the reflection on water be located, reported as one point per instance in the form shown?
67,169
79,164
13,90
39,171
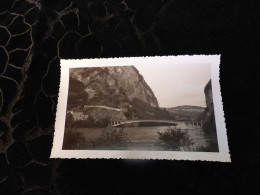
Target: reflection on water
145,138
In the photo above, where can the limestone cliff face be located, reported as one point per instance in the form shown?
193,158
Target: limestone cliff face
209,126
114,86
119,87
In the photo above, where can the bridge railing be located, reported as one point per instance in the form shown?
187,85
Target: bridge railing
118,122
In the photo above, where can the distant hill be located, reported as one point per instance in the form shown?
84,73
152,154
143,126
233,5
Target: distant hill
186,112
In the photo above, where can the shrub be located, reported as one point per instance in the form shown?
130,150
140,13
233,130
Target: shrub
110,138
174,138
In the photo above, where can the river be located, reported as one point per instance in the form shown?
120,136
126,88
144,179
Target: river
145,138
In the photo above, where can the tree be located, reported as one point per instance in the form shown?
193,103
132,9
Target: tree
77,95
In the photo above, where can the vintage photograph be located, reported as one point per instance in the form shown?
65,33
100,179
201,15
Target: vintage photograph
141,108
166,107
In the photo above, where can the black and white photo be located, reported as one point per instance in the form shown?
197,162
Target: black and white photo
145,106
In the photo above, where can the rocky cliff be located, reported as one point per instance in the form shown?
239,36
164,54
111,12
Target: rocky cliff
117,87
209,125
114,86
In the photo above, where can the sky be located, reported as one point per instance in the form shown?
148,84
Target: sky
177,84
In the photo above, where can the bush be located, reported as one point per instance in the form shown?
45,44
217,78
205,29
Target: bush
111,138
175,138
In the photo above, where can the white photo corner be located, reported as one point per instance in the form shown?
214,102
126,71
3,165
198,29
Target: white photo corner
164,107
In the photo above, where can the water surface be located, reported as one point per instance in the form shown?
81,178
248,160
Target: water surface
146,138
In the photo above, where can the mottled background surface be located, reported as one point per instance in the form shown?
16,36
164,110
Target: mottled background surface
34,35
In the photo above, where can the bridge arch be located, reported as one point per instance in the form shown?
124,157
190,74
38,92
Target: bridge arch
118,122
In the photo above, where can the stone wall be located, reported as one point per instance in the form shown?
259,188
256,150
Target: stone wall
102,113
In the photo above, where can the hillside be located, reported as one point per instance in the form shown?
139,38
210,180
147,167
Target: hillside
186,112
121,87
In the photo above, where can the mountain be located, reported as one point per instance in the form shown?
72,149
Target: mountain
114,86
121,87
186,112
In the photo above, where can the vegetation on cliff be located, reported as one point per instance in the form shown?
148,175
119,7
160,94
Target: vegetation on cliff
116,87
77,96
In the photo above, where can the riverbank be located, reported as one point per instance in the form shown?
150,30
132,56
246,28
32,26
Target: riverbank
140,138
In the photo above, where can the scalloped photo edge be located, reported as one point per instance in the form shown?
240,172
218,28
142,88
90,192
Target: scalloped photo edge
162,63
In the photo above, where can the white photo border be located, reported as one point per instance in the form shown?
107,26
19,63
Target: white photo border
214,60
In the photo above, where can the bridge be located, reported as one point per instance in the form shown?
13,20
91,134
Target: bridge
120,123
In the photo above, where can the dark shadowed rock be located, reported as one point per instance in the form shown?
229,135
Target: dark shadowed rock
209,125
